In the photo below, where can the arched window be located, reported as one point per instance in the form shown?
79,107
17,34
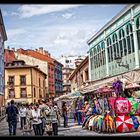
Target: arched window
130,42
102,45
91,53
138,31
122,42
103,52
95,52
95,57
99,55
115,45
95,61
98,48
109,50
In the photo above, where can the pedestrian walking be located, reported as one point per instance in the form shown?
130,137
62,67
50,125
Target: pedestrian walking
36,120
12,117
42,107
65,114
54,117
23,116
58,113
78,107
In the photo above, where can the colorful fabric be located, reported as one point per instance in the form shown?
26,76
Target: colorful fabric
99,122
101,103
134,106
98,109
135,122
111,101
109,121
122,106
106,104
139,108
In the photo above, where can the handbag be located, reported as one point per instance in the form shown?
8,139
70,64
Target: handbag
48,127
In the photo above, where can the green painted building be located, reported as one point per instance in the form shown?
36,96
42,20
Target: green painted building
119,37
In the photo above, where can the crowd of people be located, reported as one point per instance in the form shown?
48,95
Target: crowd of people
42,117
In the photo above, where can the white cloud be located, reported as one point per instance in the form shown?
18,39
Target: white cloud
15,32
105,5
4,13
67,15
26,11
15,14
57,39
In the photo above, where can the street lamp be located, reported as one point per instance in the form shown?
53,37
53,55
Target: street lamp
119,60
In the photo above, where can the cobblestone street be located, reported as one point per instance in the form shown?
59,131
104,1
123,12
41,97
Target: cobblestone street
72,130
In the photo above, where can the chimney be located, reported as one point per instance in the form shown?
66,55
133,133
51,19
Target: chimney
46,52
41,50
13,49
8,47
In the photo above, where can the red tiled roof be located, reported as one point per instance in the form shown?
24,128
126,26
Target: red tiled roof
36,55
9,55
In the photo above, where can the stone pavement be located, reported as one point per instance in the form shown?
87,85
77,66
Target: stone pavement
72,130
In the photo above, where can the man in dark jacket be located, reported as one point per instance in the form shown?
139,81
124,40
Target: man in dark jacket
12,116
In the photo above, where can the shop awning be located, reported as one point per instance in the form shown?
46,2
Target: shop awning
132,85
69,96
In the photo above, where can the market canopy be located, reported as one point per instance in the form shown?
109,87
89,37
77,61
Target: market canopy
69,96
132,85
104,90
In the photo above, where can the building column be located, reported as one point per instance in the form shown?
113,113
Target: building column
106,57
89,67
84,76
135,41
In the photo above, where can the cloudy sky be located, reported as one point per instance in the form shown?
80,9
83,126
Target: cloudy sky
60,29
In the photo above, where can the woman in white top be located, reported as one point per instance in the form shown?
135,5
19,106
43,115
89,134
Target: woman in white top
23,115
36,120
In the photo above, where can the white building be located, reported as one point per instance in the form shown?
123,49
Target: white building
69,61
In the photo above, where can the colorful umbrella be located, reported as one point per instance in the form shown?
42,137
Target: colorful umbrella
123,124
132,85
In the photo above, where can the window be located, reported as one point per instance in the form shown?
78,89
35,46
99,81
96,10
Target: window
130,42
34,92
22,80
11,80
40,94
115,45
91,53
39,82
122,42
11,93
67,61
23,93
138,31
110,50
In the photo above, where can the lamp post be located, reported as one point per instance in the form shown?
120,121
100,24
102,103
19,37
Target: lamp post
119,60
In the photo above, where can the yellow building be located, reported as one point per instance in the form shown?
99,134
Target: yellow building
23,83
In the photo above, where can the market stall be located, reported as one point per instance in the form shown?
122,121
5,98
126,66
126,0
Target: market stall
115,112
